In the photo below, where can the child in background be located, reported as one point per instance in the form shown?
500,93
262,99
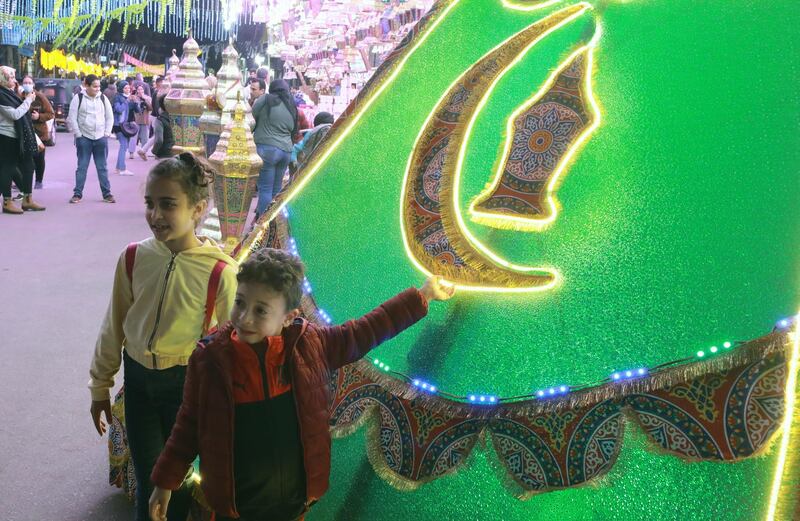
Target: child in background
255,404
168,291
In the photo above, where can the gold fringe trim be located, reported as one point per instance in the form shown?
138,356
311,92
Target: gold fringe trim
741,355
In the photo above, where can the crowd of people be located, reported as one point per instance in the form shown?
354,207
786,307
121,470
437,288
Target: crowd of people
134,113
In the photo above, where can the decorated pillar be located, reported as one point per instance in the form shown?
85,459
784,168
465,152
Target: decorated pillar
237,164
187,100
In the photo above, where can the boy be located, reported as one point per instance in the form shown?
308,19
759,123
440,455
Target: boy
255,404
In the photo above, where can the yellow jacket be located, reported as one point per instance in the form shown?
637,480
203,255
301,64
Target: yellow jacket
160,323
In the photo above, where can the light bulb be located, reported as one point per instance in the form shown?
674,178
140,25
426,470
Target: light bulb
628,374
713,349
416,383
701,354
726,345
432,388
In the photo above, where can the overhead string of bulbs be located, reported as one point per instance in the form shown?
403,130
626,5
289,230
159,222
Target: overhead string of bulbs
617,376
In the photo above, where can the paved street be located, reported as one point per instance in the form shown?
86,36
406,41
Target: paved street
56,270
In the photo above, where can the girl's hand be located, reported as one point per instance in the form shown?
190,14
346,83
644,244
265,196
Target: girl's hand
434,289
101,406
159,500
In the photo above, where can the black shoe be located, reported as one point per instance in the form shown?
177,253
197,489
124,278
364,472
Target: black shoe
38,185
74,200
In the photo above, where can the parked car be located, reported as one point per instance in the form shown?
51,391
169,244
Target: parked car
59,92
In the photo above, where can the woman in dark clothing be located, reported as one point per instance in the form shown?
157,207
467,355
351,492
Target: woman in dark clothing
276,125
41,112
17,143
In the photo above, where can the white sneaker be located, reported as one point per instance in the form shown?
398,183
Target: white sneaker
124,172
130,155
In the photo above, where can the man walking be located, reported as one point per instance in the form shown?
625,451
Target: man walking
91,119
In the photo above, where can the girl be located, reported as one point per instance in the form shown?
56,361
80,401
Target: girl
18,143
166,291
162,141
122,107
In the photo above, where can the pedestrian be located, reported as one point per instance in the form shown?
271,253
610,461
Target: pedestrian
265,448
276,124
110,92
91,119
169,290
41,112
257,89
302,151
18,143
139,82
142,119
163,140
124,110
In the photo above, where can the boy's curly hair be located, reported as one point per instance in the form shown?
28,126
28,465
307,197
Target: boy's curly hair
279,270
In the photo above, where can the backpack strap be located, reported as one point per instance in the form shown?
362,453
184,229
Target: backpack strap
211,296
80,101
130,258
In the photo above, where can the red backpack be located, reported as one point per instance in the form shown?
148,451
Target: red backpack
213,283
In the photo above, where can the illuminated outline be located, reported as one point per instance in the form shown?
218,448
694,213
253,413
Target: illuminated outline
457,172
520,7
316,165
537,223
788,415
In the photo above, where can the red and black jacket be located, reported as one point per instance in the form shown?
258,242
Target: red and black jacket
205,422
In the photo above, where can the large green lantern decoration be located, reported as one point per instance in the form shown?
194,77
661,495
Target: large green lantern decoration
613,188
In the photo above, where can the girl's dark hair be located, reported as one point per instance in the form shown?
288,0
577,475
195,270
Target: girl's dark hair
278,270
192,172
279,93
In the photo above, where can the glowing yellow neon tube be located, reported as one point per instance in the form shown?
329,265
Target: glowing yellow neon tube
790,396
522,7
528,223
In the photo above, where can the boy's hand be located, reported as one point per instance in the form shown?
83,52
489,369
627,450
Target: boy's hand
433,289
101,406
159,500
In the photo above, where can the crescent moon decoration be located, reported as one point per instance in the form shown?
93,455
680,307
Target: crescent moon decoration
541,137
434,234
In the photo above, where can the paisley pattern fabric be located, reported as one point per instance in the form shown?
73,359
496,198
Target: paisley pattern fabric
541,137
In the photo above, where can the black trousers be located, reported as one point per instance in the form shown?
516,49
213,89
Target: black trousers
152,400
38,164
11,162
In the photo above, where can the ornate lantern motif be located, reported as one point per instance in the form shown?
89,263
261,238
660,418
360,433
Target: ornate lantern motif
237,164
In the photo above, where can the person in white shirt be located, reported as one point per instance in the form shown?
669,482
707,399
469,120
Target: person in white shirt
91,119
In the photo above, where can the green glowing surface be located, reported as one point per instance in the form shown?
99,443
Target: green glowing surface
678,230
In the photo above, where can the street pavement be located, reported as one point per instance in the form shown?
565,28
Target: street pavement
56,271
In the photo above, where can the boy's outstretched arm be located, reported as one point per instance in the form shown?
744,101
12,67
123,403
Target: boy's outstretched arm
351,341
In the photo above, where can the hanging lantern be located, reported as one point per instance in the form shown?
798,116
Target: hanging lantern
236,164
187,100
